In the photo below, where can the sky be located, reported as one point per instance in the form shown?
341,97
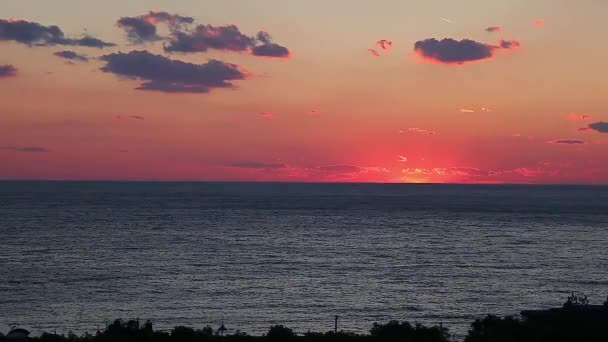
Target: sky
475,91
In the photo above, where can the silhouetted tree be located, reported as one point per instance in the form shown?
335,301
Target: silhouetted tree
280,332
497,329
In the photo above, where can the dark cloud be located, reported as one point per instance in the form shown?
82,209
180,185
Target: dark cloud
71,55
205,37
270,50
137,117
26,32
142,28
601,126
226,38
87,41
138,30
31,33
264,37
160,73
257,165
568,142
7,71
509,44
451,51
32,149
494,29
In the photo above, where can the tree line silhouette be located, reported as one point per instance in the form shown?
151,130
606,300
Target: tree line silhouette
556,326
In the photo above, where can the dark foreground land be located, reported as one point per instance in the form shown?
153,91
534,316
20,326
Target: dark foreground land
572,322
576,320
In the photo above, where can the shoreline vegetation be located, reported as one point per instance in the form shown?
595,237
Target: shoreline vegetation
576,320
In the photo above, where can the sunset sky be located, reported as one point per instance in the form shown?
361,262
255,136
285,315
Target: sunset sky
475,91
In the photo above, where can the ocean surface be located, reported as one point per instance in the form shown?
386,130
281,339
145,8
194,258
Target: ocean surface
76,254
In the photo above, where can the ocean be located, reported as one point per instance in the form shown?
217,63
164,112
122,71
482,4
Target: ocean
74,255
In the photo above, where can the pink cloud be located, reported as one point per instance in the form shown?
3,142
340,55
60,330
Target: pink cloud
420,130
578,117
267,115
384,44
374,52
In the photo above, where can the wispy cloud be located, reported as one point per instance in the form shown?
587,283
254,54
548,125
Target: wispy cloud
492,29
420,130
384,44
373,52
567,142
28,149
267,115
71,55
257,165
578,117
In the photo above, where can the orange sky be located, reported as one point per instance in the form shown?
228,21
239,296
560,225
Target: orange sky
332,111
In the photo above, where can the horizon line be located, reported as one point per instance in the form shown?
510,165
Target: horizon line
6,180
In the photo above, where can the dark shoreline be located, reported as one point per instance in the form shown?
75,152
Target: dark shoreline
574,321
